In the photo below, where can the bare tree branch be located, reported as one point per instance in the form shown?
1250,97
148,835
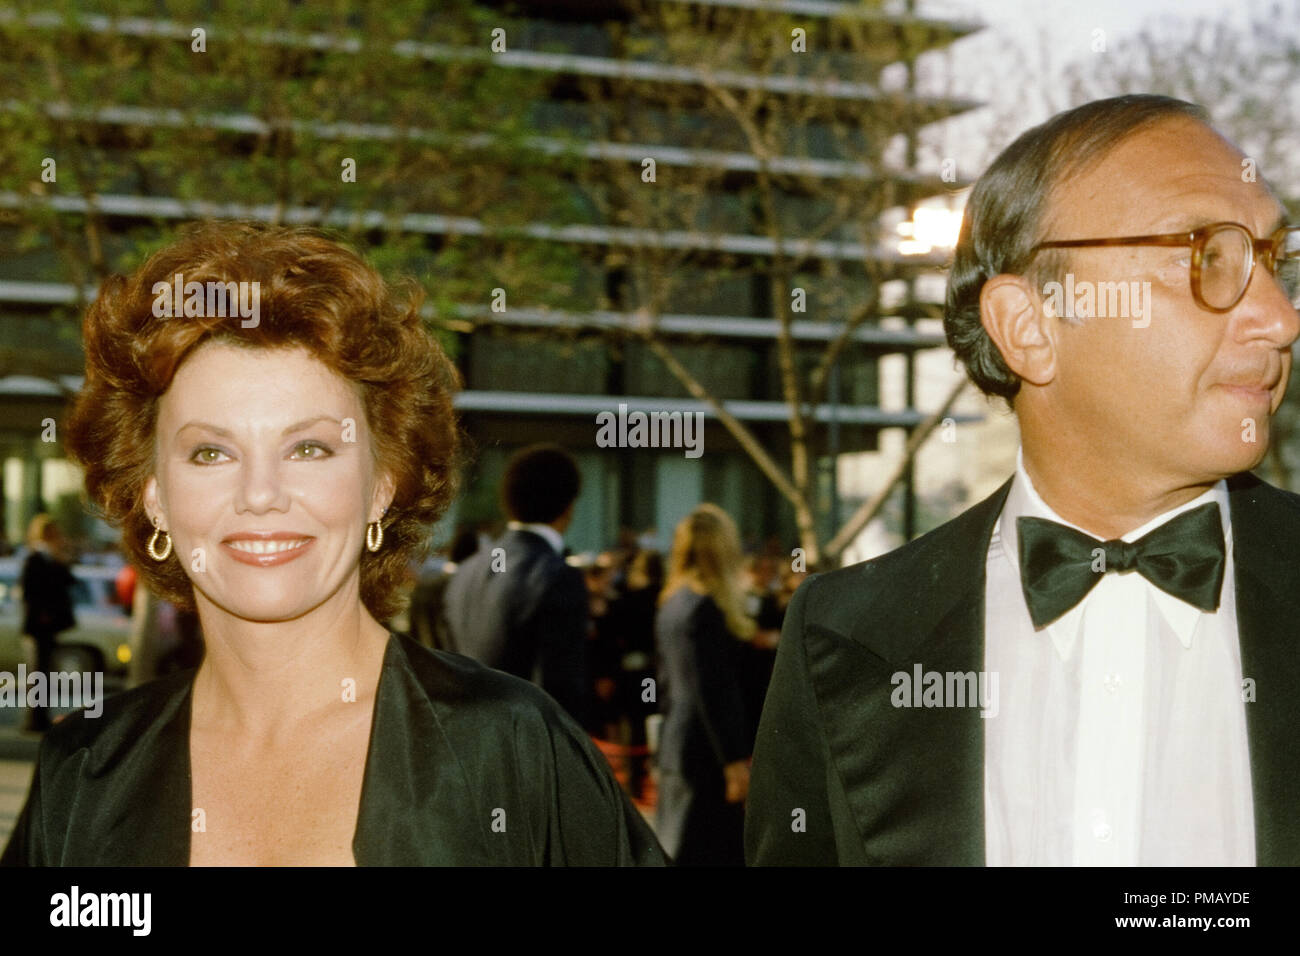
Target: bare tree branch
871,507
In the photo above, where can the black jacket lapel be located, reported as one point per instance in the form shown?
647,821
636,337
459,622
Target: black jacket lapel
412,772
122,797
1265,542
913,777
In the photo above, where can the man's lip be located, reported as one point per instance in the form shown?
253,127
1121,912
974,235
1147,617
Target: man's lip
1253,386
1265,393
265,536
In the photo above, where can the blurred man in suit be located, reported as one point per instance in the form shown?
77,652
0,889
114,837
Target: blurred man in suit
1099,664
517,606
428,624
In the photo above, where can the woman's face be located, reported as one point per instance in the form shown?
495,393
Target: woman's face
265,481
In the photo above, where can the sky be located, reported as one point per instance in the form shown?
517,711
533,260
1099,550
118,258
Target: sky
1070,19
1004,65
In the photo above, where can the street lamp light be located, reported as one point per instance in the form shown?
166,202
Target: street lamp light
931,227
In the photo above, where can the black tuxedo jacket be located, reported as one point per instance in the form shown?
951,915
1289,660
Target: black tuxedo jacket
880,785
528,618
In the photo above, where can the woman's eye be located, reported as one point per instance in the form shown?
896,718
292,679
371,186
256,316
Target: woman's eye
312,449
207,455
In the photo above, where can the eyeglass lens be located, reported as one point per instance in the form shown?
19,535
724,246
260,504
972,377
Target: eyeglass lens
1225,267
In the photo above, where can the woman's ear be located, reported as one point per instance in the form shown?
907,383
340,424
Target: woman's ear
385,489
1022,329
152,505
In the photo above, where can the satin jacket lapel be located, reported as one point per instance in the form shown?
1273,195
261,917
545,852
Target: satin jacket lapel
1266,539
412,774
913,777
139,795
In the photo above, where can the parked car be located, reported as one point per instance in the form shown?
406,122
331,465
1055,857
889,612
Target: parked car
101,641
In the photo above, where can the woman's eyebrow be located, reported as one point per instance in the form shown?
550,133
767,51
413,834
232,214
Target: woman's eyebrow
205,427
308,422
295,427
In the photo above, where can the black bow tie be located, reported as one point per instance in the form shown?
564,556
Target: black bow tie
1058,567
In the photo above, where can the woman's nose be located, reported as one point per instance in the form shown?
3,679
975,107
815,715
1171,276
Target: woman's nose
261,486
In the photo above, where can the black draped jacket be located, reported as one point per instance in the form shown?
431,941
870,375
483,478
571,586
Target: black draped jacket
466,766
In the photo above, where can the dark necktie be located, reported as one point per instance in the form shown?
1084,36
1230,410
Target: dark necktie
1184,556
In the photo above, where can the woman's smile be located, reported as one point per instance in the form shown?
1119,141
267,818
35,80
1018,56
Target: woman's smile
266,550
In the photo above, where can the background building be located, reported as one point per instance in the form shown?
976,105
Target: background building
580,187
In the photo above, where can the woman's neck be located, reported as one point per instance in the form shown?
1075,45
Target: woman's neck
266,678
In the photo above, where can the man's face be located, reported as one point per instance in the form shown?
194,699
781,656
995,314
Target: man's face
1188,397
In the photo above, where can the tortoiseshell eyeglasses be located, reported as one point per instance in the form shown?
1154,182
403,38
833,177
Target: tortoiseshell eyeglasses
1223,259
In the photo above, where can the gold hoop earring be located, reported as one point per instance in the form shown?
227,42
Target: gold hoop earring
374,536
152,547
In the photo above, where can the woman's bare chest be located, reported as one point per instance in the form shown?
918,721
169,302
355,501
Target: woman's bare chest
297,804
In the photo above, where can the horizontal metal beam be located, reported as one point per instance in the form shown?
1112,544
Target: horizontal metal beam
588,406
663,153
570,63
577,406
838,9
713,326
674,240
724,327
32,386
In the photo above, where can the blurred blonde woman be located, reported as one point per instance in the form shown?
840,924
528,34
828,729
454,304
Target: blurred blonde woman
704,750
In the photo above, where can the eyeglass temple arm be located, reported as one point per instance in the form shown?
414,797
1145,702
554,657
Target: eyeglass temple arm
1164,239
1268,244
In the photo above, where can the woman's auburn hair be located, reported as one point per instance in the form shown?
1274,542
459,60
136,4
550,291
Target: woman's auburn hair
314,294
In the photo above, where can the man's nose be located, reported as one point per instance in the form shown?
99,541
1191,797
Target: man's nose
1267,312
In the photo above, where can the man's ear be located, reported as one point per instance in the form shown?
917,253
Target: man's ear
1021,328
